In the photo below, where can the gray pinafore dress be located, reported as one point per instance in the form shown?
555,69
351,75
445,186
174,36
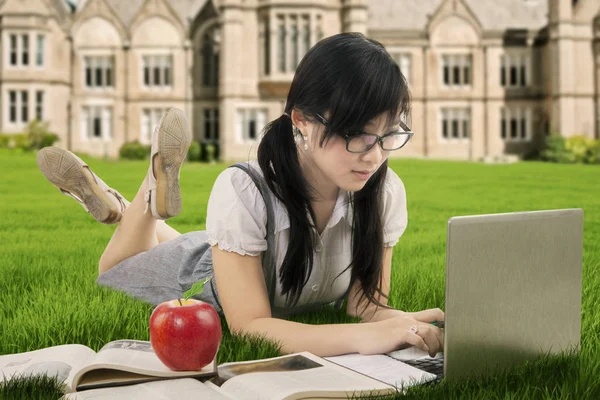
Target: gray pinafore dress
167,270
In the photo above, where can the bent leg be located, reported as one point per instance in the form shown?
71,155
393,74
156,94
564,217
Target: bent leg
136,232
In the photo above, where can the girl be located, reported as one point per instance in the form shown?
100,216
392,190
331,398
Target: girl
336,208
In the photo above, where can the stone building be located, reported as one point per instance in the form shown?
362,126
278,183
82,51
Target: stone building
487,77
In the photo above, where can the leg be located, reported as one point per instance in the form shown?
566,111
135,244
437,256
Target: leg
135,233
164,232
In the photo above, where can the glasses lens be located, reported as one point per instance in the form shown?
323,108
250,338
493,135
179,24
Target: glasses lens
361,142
394,142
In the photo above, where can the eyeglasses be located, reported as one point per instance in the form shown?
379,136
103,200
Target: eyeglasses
361,142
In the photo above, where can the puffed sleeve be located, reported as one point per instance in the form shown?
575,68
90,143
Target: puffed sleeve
236,216
395,215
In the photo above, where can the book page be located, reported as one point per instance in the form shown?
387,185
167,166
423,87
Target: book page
384,369
62,362
173,389
138,357
312,377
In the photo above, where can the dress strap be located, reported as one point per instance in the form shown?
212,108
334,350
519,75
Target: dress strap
268,259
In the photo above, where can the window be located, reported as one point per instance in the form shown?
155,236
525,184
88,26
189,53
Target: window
96,122
99,71
457,70
515,124
211,124
39,54
250,123
13,50
211,48
281,40
456,123
18,49
12,107
267,45
25,49
514,70
405,63
150,118
157,70
39,105
293,37
18,106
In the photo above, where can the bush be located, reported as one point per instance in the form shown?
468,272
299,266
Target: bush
39,135
555,150
4,141
593,155
194,152
21,142
134,151
575,149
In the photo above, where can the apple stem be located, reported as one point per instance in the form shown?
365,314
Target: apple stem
179,300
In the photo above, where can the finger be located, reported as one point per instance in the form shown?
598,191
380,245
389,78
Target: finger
415,340
428,316
430,336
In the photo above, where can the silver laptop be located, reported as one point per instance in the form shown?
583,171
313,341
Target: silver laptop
513,290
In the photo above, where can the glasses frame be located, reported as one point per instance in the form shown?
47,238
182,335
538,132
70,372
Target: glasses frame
379,139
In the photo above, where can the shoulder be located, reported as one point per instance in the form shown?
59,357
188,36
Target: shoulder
393,185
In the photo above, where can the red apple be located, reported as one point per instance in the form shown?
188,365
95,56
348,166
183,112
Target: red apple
185,334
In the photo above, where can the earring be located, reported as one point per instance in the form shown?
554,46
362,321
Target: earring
305,143
297,135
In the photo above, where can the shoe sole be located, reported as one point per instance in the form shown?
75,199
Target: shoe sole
174,139
66,172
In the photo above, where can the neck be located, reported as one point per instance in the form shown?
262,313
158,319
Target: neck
324,188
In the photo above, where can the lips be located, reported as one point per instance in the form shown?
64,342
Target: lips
364,172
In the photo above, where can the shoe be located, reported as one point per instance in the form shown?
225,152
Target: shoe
66,171
171,140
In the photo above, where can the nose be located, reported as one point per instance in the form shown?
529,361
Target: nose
375,155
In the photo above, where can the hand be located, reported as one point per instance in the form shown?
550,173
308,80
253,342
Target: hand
393,333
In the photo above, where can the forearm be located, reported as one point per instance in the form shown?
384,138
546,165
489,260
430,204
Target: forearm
375,313
321,340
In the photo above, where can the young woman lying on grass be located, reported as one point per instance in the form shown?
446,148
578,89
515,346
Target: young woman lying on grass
338,212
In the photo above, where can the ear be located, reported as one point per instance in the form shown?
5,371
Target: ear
300,121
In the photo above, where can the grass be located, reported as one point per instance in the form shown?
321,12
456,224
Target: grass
49,251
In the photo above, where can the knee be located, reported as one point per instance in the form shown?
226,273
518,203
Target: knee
104,264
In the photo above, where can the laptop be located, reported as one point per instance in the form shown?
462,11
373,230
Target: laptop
513,291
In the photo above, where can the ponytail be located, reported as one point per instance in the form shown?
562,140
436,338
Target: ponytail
278,159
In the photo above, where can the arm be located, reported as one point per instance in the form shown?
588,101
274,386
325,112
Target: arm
373,312
243,295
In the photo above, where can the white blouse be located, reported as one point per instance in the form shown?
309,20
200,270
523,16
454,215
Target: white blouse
237,217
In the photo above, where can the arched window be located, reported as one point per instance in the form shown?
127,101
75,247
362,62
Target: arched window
211,49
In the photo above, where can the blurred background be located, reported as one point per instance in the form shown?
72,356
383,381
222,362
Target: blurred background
491,80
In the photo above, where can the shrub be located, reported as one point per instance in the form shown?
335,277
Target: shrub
4,141
579,146
22,142
134,151
39,135
210,152
194,152
555,150
593,155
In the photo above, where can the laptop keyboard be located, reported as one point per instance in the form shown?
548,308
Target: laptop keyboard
432,365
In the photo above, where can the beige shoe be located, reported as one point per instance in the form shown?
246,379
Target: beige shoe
171,140
66,171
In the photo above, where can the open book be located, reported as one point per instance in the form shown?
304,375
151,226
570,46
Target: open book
291,377
121,362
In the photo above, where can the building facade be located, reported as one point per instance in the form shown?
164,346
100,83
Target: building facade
487,78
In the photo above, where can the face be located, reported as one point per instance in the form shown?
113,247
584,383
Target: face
335,166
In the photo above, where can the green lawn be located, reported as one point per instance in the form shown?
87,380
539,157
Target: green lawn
49,251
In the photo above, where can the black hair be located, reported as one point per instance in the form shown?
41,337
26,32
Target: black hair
355,80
